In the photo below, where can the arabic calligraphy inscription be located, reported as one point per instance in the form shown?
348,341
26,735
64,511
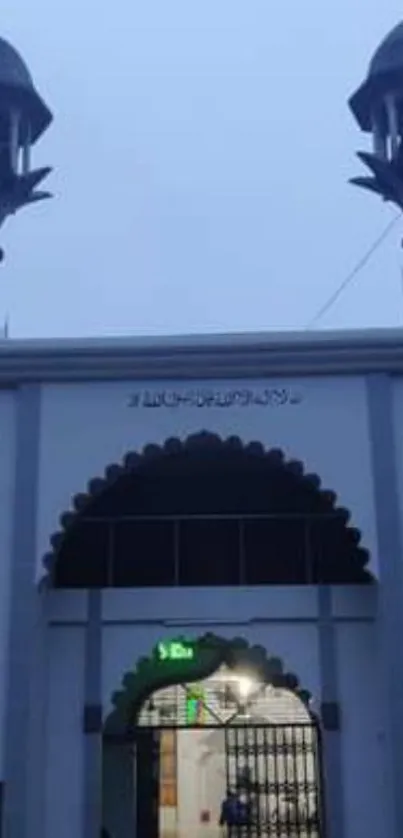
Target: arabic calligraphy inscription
245,397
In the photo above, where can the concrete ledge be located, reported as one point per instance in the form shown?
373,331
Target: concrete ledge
228,356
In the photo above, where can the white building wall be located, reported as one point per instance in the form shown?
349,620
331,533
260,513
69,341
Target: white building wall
366,796
284,620
134,622
202,782
64,781
398,440
7,476
85,427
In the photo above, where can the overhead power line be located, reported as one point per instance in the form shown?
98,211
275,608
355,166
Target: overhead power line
352,275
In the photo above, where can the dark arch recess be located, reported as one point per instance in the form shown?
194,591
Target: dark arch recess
211,652
205,444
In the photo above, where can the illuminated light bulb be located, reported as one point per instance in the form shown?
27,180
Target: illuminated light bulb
245,685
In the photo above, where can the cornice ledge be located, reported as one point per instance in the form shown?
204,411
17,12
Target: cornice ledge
221,359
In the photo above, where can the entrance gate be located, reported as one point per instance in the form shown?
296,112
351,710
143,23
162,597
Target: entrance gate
219,719
274,769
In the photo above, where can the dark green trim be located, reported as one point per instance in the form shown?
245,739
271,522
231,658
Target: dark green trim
211,652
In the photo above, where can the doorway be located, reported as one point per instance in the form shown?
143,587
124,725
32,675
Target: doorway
270,771
230,733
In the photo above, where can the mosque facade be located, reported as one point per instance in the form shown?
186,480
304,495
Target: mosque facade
201,585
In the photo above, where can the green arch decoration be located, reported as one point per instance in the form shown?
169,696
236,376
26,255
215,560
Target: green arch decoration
209,652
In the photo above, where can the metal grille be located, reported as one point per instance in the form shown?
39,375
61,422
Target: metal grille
275,770
217,701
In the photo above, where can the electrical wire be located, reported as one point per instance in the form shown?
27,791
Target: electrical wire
352,275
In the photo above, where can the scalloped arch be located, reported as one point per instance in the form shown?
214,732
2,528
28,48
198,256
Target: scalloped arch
212,651
201,442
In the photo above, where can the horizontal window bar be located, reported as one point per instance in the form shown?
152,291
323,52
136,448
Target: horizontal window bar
247,516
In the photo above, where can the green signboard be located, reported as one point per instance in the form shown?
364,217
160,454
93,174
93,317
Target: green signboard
174,650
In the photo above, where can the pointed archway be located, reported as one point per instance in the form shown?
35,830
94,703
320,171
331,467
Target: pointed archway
258,518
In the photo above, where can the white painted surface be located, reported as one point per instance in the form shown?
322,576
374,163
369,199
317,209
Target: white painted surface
398,440
365,764
176,607
201,781
85,427
224,605
7,476
65,738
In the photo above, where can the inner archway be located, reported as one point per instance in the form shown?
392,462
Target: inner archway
206,512
211,717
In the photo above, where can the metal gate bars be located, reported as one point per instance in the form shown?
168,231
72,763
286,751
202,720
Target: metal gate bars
275,772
